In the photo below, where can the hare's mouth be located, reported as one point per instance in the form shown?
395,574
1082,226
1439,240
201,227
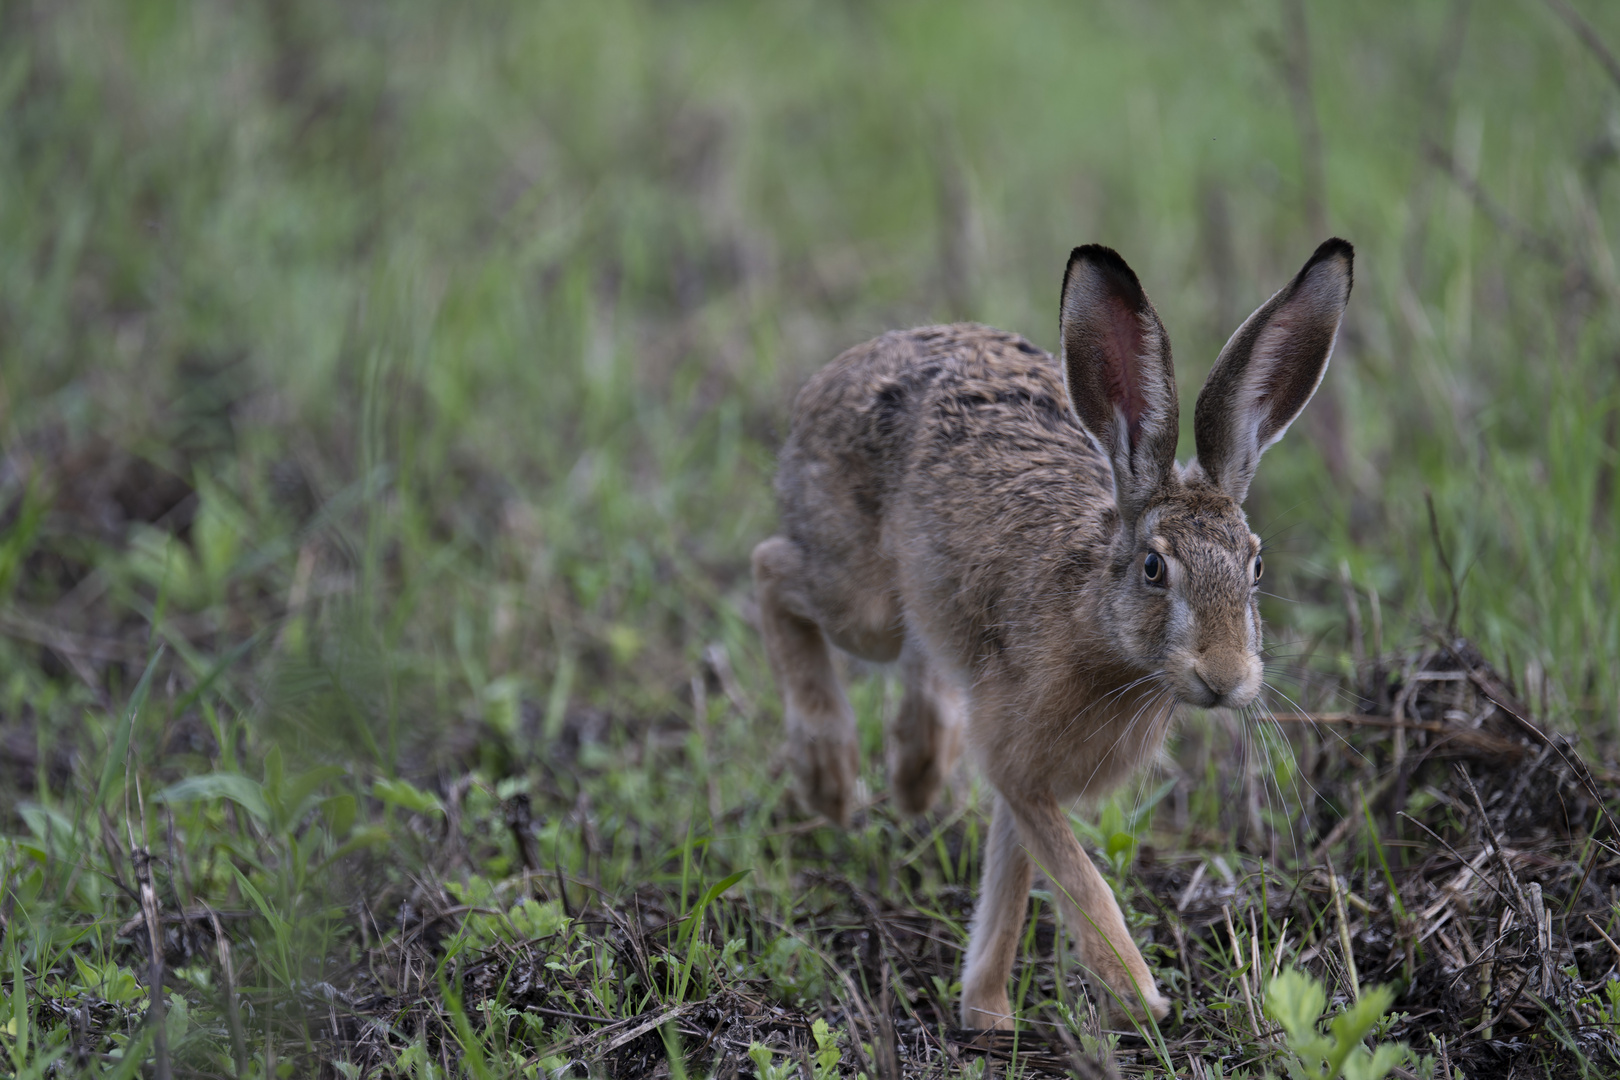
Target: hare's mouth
1215,685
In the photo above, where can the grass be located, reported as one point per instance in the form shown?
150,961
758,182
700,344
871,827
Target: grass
389,395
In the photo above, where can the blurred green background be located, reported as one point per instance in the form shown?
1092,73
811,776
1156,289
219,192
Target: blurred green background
520,295
411,373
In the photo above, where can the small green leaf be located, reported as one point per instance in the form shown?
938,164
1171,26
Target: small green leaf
133,1057
1110,821
407,796
223,664
709,896
176,1019
1361,1065
256,896
55,831
625,643
1133,821
273,771
363,837
1352,1025
714,892
1295,1000
241,790
532,919
300,798
340,813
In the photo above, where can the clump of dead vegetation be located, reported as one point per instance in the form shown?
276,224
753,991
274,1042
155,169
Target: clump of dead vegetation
1454,848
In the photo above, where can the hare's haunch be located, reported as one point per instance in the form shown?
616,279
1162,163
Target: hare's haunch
1015,530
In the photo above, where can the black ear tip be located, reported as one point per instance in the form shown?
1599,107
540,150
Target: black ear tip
1333,248
1329,250
1101,255
1106,262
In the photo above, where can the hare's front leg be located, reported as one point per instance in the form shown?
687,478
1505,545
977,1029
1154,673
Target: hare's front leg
1088,904
997,922
820,722
926,735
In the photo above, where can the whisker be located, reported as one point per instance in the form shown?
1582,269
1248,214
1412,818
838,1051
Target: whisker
1111,695
1268,534
1152,701
1313,725
1317,727
1296,775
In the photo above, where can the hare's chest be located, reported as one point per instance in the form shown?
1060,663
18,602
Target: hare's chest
1099,744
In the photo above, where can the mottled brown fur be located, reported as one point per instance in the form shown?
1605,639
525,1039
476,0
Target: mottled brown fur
945,503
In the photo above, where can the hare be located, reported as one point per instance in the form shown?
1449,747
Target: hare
1015,531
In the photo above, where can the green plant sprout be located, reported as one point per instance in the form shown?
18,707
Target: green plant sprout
1297,1000
823,1060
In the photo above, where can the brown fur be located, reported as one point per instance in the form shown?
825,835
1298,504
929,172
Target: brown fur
943,504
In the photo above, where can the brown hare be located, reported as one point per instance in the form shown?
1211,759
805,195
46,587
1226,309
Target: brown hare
1015,531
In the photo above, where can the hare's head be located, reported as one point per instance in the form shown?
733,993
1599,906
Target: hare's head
1183,571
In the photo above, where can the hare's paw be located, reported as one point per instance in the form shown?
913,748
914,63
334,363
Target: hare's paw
826,765
916,780
1125,1005
1157,1004
919,767
925,738
987,1011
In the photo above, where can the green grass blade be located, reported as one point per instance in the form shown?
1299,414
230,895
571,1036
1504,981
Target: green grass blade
118,753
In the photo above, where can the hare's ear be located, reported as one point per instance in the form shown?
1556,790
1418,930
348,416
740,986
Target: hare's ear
1122,384
1270,368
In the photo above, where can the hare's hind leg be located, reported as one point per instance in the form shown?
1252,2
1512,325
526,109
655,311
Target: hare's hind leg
926,735
820,722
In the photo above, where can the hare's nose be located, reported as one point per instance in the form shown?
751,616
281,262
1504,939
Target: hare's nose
1221,678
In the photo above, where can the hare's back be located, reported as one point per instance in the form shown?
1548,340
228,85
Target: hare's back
920,414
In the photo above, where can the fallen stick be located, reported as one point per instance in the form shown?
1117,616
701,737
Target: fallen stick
1480,740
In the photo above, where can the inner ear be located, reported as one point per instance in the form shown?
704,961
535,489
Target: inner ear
1270,368
1126,341
1105,337
1121,380
1284,372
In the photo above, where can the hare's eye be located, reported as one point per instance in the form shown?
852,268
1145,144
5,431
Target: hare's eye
1259,567
1153,568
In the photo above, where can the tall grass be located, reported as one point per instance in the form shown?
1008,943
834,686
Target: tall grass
560,269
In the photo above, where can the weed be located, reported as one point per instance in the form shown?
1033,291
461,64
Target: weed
1297,1001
